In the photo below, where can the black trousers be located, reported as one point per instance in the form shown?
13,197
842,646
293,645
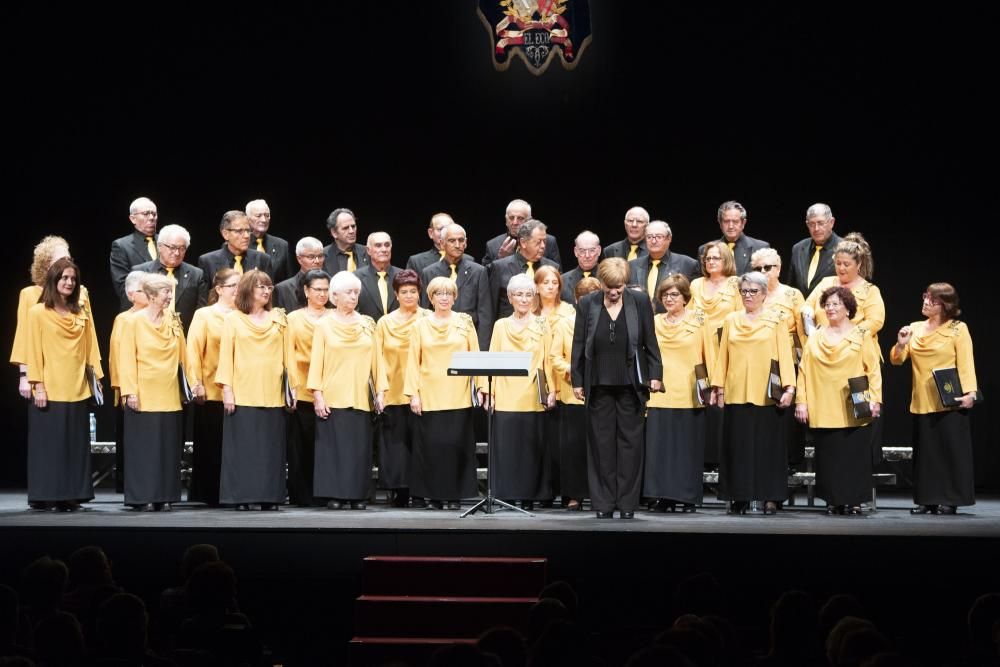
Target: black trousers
616,429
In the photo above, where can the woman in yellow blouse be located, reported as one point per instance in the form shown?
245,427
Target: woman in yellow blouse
397,427
675,418
343,371
203,342
443,461
254,351
150,351
942,442
520,467
549,304
302,422
834,354
61,343
572,435
753,463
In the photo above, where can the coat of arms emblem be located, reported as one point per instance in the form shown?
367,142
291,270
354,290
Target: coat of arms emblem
537,31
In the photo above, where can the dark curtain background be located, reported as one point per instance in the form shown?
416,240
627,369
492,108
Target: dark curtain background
395,110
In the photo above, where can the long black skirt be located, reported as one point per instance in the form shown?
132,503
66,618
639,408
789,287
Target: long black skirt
120,448
520,467
942,459
714,420
753,459
343,455
154,442
253,456
443,464
573,452
843,464
675,442
550,434
206,457
301,454
794,434
59,452
394,434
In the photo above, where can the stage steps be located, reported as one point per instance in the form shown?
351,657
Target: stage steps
411,605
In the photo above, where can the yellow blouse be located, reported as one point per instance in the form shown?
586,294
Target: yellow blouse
59,349
790,301
28,297
301,328
431,346
871,308
823,375
744,364
116,332
683,346
948,346
343,360
392,340
148,357
203,343
252,358
516,393
560,356
715,308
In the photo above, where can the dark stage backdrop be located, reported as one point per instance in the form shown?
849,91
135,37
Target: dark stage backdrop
395,110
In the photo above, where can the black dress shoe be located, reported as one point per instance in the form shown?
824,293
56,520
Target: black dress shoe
529,505
334,505
924,509
689,508
269,507
39,505
737,507
142,507
454,505
417,502
605,515
664,505
434,504
946,509
401,498
854,510
627,515
359,505
243,507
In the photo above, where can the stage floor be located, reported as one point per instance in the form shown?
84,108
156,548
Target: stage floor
891,519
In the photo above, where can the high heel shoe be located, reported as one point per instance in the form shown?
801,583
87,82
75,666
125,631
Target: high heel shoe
946,509
924,509
737,507
770,508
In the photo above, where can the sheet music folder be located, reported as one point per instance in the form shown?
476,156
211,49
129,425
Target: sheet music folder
490,363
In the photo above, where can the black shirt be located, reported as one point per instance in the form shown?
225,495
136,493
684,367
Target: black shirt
611,356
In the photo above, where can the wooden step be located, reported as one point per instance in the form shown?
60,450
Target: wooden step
437,616
453,576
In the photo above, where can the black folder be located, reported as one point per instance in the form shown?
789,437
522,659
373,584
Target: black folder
950,387
858,388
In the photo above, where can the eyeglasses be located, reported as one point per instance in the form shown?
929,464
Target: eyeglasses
318,289
636,221
750,292
523,295
588,251
816,225
656,237
612,333
148,214
670,295
239,230
926,296
764,268
312,258
713,259
266,288
173,248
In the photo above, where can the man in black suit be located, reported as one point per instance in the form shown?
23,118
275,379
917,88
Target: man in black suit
633,245
422,260
471,279
648,271
587,250
235,253
505,245
290,294
136,248
259,214
812,258
345,253
377,298
190,289
732,218
530,255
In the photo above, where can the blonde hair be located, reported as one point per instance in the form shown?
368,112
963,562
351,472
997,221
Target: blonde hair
856,247
42,257
441,284
613,271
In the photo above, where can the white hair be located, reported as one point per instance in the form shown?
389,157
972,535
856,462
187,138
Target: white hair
307,242
819,210
342,281
139,204
754,278
133,280
666,227
518,202
444,231
257,203
520,281
173,231
589,234
766,255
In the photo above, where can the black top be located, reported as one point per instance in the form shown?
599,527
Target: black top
611,356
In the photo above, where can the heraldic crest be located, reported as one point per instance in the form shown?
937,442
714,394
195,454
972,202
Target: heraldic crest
537,31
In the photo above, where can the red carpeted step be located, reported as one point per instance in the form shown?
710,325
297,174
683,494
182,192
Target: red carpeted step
456,576
371,651
437,616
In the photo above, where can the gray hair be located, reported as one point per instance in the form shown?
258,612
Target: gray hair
765,254
444,231
342,281
731,205
666,227
307,242
175,231
754,278
139,204
257,203
133,280
819,210
530,225
518,202
152,283
584,233
520,281
368,241
331,220
645,213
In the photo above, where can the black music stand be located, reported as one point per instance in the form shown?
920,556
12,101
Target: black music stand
490,364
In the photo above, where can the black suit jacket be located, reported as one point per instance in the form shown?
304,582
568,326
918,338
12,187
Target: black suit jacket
670,264
798,266
281,263
622,249
288,294
212,262
191,292
501,272
127,252
744,248
570,280
370,301
473,284
422,260
336,261
643,350
493,248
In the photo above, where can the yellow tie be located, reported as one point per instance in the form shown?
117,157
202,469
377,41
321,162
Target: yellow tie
441,252
633,253
351,266
530,272
732,246
383,291
238,266
813,265
151,247
454,273
173,295
654,271
586,274
260,245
